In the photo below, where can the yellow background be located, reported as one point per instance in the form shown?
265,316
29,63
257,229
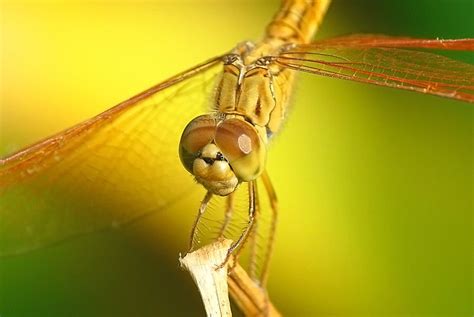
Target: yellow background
375,185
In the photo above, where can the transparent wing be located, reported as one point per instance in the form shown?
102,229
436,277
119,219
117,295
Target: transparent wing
228,217
106,171
262,238
225,217
382,61
380,40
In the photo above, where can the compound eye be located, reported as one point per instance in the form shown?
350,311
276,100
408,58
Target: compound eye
239,142
197,134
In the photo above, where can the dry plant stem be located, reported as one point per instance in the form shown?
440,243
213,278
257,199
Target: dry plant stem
212,283
250,298
211,279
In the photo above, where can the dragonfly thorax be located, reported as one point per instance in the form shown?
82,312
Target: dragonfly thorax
253,85
221,152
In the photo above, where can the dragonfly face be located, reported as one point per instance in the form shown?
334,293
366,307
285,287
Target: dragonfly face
228,147
222,151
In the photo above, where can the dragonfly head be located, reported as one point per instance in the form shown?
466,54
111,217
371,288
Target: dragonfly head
222,153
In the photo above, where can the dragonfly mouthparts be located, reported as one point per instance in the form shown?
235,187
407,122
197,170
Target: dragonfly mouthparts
210,160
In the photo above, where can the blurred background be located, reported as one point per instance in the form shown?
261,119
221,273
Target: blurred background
375,185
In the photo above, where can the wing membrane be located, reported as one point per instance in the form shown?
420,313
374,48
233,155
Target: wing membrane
106,171
228,217
380,40
367,60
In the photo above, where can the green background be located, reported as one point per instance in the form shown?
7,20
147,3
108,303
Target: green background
375,185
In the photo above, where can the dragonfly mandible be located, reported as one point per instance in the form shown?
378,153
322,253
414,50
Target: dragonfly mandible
30,174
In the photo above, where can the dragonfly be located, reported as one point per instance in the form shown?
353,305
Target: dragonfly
87,177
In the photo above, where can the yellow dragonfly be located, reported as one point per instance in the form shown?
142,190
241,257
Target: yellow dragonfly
92,175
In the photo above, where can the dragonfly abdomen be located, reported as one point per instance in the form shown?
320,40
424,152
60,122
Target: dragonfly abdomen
297,20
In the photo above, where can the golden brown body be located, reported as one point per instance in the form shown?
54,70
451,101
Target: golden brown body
255,91
251,102
258,92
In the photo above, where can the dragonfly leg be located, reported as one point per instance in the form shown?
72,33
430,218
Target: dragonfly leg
202,209
253,236
271,239
228,215
243,237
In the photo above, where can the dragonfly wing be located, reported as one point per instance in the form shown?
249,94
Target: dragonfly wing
383,61
262,236
229,216
380,40
106,171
